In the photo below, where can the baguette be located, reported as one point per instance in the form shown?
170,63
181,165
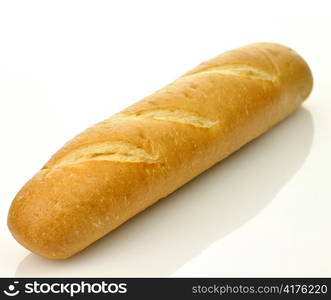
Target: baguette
122,165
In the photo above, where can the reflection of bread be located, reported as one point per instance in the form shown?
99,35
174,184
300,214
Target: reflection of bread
120,166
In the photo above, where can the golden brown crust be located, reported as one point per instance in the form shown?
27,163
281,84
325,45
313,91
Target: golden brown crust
120,166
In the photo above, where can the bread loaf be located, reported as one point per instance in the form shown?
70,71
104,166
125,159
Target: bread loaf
120,166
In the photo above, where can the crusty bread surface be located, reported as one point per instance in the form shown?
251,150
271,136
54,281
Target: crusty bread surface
120,166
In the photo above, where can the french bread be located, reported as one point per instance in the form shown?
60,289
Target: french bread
122,165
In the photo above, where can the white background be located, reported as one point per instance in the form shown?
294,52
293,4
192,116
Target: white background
265,211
